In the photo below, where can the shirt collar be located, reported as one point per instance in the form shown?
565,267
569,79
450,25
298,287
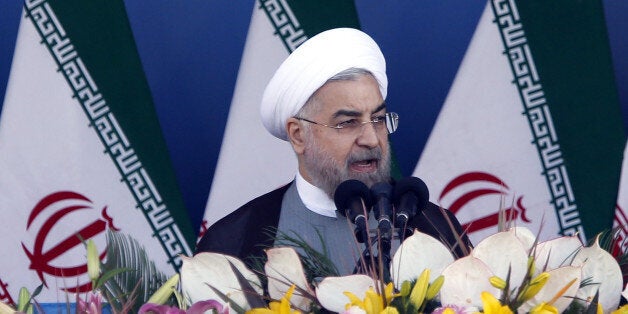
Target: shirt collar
314,198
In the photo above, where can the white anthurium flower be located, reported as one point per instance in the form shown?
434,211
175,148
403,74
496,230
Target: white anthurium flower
330,292
417,253
5,308
556,253
206,270
601,268
465,280
524,235
559,278
503,251
284,269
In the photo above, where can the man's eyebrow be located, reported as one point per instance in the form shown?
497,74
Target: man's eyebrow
353,113
379,108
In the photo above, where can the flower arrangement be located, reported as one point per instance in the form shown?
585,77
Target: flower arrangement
507,272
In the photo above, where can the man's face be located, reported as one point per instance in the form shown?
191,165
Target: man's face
332,156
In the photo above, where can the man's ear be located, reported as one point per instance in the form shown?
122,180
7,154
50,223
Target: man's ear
296,135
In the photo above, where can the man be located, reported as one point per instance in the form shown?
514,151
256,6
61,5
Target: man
327,101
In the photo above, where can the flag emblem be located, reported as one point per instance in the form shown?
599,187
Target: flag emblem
463,190
55,214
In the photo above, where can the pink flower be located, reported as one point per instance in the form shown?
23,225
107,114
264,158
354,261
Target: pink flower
91,305
196,308
452,309
160,309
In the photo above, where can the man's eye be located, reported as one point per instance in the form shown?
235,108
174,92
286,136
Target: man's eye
347,124
379,119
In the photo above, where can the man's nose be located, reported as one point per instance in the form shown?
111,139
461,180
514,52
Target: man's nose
368,136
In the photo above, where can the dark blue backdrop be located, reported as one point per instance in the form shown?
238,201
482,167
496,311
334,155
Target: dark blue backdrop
191,51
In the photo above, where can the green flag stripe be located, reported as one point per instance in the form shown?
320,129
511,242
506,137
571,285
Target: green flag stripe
118,146
572,53
537,111
286,25
296,21
569,97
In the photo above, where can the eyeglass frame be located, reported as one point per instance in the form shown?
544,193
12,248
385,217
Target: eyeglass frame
390,120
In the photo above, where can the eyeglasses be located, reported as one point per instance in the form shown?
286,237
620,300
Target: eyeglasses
353,126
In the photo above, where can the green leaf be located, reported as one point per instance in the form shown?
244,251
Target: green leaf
108,275
124,289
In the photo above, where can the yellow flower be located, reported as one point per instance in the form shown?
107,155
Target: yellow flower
531,265
544,308
449,310
93,260
162,294
373,303
434,288
23,304
417,296
406,287
353,300
498,282
260,310
277,307
621,310
493,306
534,286
390,310
389,292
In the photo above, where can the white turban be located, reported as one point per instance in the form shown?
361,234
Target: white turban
310,66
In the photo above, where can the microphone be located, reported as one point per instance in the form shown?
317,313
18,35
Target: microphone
410,196
349,198
382,194
382,208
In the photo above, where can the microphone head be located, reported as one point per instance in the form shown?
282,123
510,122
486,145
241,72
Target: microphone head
412,185
382,189
381,193
348,192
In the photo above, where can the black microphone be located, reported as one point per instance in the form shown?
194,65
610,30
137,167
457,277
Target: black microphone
382,208
349,198
410,196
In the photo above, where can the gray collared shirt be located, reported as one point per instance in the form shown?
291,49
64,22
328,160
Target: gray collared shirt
338,241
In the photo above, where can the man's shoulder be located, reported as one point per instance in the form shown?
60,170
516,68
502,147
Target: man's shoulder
272,197
231,233
263,205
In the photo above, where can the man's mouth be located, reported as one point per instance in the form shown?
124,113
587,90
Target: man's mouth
368,165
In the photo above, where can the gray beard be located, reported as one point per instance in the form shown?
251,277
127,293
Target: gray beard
326,174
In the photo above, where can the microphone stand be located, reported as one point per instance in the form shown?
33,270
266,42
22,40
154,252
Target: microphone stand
384,228
380,262
362,235
382,193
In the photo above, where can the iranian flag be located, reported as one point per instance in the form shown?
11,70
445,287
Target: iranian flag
532,123
82,151
251,161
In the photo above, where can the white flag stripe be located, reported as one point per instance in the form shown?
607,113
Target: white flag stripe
467,139
57,179
251,162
